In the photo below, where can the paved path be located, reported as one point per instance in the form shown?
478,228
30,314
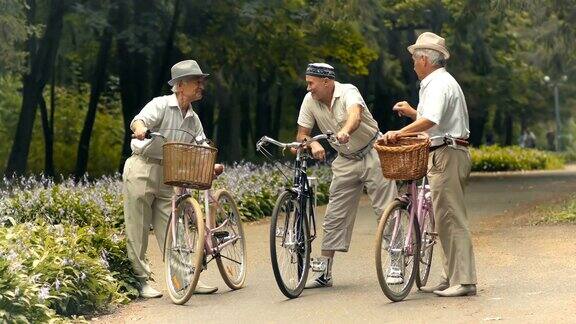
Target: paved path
526,273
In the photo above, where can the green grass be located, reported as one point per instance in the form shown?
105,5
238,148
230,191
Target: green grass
563,212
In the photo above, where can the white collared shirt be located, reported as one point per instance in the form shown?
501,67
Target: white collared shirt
163,114
345,96
443,103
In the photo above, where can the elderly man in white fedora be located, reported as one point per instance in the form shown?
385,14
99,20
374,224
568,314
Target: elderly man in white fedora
442,110
147,200
340,108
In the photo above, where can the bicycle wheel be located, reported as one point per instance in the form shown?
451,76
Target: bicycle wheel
289,245
396,256
427,242
232,258
184,250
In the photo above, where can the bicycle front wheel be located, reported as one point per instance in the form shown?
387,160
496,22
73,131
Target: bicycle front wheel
232,258
184,250
289,245
397,251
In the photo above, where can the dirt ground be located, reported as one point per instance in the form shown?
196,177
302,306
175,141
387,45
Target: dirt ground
527,274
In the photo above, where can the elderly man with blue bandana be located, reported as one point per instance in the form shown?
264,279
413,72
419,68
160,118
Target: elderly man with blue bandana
339,107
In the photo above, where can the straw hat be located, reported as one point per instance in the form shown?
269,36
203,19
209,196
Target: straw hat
430,41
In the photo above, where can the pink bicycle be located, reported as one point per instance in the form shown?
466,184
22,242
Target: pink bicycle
192,241
406,235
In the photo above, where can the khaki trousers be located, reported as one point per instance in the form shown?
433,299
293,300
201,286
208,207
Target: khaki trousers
449,169
349,177
147,200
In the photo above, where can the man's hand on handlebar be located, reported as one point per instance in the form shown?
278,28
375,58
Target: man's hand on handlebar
140,131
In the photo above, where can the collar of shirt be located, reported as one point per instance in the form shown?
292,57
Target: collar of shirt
431,77
337,93
173,103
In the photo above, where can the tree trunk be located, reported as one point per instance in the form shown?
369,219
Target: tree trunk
96,88
228,130
163,72
277,122
263,107
508,124
33,84
133,73
48,139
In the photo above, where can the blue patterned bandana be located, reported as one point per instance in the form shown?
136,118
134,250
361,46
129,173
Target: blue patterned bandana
321,70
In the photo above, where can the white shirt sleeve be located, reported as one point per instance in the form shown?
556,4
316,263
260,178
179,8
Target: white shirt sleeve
305,117
353,97
152,113
435,102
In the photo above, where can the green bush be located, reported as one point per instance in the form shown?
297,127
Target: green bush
510,158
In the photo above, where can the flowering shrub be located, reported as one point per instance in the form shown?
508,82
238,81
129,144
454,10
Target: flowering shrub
62,248
510,158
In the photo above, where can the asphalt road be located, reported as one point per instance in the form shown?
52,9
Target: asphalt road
526,273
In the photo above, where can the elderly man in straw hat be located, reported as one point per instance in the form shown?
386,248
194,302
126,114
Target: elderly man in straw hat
442,110
147,200
340,108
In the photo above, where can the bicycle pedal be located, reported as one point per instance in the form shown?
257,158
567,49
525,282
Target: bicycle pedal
221,234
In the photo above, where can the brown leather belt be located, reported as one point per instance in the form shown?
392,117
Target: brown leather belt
457,141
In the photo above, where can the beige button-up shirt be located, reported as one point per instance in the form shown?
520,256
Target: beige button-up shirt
442,102
345,96
163,114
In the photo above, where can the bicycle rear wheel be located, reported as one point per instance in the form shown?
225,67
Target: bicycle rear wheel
232,258
427,242
396,256
289,245
184,250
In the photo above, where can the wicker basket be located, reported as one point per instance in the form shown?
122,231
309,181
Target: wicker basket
407,159
188,165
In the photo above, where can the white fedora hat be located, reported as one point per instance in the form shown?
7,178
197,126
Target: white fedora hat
185,68
430,41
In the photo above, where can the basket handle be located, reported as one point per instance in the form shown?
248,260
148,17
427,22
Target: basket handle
416,134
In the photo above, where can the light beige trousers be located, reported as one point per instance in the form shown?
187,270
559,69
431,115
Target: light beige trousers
147,200
449,169
349,177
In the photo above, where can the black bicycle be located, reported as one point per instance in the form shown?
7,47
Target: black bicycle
293,225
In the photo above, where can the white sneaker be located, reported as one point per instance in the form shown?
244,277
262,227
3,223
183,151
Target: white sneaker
146,291
394,276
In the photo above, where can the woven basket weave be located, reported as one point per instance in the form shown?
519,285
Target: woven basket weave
189,165
407,159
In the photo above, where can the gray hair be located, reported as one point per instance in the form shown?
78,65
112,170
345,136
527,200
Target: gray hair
434,57
177,83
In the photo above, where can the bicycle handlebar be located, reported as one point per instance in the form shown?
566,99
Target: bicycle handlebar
265,139
199,140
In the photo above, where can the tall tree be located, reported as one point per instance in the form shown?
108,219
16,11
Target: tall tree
33,84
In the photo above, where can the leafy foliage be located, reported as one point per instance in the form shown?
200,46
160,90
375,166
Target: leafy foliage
496,158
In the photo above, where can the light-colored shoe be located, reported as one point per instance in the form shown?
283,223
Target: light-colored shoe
203,289
319,282
146,291
439,287
457,291
394,276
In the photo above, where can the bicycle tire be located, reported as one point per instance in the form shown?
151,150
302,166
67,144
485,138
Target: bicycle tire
188,211
286,211
387,217
234,277
427,242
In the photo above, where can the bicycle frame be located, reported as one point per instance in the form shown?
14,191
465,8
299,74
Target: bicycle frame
305,193
209,247
414,197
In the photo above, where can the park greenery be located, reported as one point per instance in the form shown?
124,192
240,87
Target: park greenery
74,72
